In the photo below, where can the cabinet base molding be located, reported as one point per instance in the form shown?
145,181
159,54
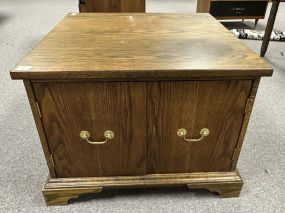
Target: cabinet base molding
228,189
61,196
58,191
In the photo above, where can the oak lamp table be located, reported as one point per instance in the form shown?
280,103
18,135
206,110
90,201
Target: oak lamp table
140,100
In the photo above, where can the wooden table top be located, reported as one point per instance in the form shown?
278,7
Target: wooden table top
132,46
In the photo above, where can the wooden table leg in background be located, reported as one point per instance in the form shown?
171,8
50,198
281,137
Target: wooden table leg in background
269,27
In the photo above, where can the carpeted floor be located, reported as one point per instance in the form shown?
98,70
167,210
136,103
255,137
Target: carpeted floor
22,164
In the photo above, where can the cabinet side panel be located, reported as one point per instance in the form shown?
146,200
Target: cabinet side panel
69,108
216,105
245,122
38,121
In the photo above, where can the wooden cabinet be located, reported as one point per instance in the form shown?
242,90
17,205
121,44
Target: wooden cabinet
171,109
107,6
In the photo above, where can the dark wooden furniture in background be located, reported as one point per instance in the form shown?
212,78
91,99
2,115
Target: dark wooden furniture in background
108,6
137,83
233,9
269,27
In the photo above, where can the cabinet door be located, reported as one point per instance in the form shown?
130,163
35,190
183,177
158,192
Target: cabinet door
69,108
194,105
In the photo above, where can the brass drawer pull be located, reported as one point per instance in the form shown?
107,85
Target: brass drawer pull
183,132
238,10
107,134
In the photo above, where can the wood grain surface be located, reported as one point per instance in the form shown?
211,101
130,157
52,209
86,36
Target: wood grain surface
108,6
216,105
133,46
69,108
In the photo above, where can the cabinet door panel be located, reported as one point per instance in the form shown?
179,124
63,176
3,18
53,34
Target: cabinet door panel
69,108
216,105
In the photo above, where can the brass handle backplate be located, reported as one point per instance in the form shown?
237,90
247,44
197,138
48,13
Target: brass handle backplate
107,134
183,132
